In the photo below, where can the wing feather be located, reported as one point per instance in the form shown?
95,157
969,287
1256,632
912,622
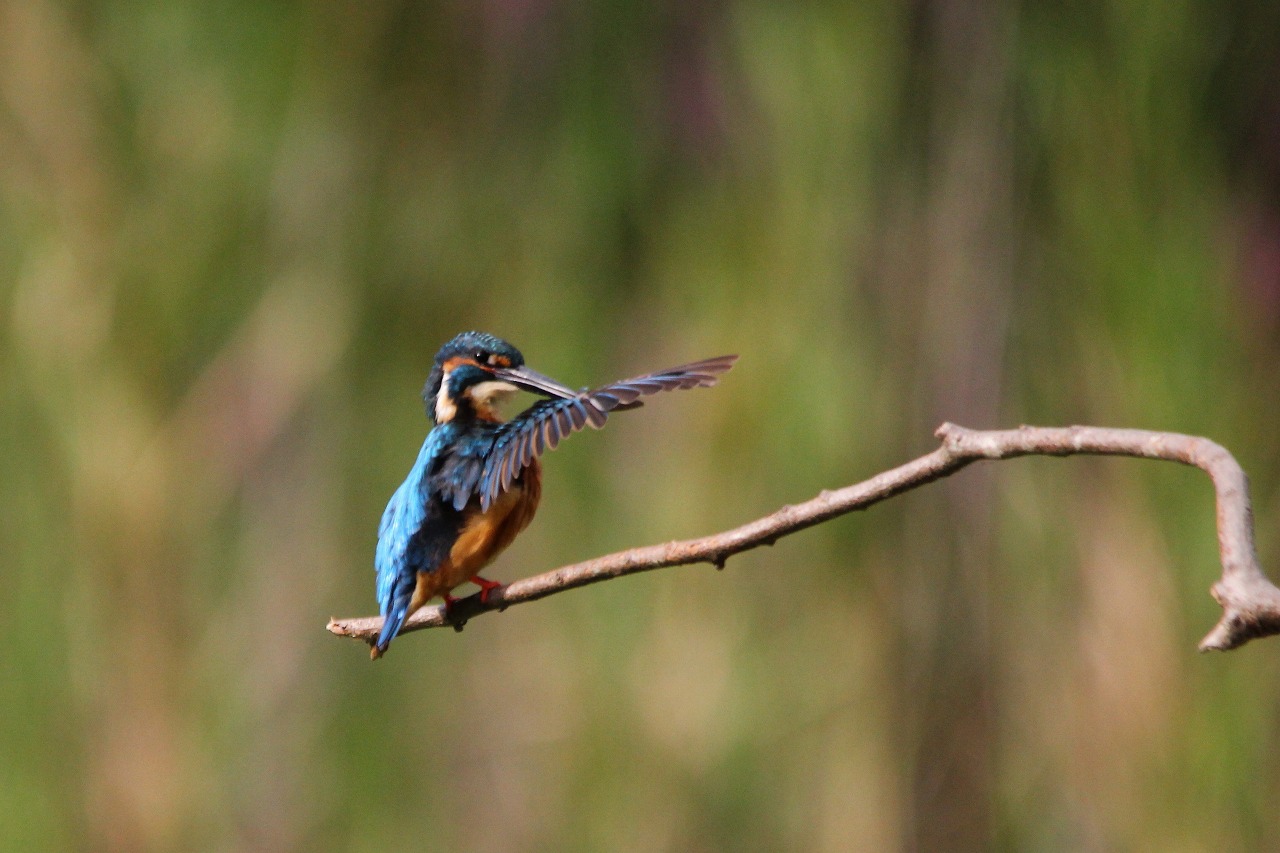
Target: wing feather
564,423
526,448
539,431
543,425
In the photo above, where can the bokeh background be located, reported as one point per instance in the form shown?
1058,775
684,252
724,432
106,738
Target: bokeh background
233,234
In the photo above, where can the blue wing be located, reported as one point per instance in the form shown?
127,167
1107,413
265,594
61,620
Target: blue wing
540,427
456,478
413,536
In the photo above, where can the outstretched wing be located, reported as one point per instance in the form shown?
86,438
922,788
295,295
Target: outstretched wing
625,394
541,427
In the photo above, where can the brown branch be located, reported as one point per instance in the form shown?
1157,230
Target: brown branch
1251,604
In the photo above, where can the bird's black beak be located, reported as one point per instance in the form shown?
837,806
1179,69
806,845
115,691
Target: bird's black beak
532,380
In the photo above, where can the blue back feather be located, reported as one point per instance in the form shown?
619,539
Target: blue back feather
403,549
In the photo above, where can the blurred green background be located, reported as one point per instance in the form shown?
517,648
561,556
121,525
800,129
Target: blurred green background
233,234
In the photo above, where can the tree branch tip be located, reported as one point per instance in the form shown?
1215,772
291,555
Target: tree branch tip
1231,632
1214,643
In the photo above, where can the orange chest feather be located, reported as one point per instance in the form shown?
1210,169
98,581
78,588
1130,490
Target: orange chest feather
485,535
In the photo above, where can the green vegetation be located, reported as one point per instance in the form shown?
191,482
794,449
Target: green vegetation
233,234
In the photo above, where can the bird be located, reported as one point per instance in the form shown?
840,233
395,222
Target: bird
477,480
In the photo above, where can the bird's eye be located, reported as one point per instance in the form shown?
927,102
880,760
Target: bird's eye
479,355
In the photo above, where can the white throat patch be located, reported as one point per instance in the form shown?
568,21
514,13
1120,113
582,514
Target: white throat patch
484,394
445,409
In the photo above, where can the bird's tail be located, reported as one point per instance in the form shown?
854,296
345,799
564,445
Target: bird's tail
395,614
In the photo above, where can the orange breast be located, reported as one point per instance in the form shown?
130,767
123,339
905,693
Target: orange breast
484,535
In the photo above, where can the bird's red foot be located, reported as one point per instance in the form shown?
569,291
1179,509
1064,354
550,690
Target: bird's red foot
486,587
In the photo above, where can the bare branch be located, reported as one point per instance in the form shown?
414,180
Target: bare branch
1250,602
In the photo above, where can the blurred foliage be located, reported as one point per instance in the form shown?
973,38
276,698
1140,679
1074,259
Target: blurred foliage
234,234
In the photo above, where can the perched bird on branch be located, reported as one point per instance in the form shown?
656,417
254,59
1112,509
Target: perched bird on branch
477,480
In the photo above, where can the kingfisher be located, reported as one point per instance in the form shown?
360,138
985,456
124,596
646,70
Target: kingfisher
477,479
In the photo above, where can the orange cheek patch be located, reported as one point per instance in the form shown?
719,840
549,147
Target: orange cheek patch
458,360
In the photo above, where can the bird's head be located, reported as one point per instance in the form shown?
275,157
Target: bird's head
474,372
